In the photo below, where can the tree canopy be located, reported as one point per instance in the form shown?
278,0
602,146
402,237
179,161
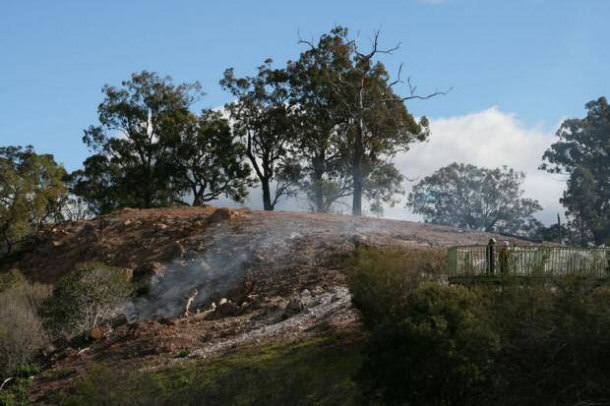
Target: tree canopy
31,188
476,198
582,152
374,123
208,162
262,116
150,150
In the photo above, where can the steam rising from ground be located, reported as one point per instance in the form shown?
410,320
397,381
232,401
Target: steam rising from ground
220,270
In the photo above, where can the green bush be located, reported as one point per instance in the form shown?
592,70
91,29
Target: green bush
440,351
519,341
21,329
86,296
556,342
16,393
380,279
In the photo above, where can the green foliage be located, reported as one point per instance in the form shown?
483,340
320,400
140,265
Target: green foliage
317,372
30,188
439,351
525,341
208,162
381,279
150,150
183,353
16,393
262,116
352,98
86,296
582,152
475,198
22,332
327,124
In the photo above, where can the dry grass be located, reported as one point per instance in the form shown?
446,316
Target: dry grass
21,329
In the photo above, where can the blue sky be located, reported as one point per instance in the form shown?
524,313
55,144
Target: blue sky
538,61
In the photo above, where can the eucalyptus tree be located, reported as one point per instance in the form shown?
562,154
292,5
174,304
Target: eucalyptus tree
31,188
140,123
582,152
207,161
476,198
317,166
262,117
375,123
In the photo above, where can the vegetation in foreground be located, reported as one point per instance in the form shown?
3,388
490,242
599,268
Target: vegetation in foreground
526,342
316,372
546,341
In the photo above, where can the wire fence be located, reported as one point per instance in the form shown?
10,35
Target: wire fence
528,261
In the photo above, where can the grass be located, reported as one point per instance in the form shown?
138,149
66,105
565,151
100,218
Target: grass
316,372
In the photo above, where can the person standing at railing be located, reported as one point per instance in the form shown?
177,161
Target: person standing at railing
504,255
491,256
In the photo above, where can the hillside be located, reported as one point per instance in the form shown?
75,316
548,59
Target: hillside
260,277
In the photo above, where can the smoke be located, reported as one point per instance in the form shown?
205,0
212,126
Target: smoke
225,260
274,251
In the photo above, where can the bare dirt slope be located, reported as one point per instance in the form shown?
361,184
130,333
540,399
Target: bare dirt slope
270,275
131,238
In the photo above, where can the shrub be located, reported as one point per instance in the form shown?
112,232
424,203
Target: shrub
556,342
21,329
86,296
440,351
380,279
522,341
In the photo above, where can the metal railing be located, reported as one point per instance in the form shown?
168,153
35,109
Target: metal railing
528,261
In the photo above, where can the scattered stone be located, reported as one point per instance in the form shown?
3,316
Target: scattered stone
97,332
224,213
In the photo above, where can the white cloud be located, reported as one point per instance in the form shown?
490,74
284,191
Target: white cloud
490,138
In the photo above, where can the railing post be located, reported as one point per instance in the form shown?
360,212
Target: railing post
490,257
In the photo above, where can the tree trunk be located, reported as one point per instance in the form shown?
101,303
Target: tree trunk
357,195
318,187
267,205
357,174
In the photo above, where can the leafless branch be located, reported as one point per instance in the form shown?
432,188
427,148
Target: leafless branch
413,95
374,48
